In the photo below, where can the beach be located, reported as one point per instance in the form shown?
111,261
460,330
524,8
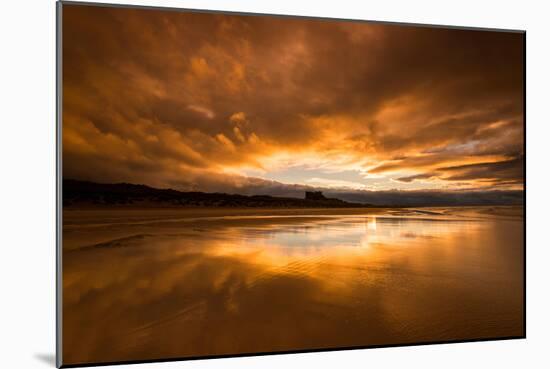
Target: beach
143,284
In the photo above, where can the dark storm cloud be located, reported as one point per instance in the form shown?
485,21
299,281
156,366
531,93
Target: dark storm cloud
417,176
501,173
510,169
187,99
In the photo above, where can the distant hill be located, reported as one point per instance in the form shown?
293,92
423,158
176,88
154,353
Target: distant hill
415,198
82,193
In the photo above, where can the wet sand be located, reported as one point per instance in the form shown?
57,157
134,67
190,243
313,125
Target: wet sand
144,284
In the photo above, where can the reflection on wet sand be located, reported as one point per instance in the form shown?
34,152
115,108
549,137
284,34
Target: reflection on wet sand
167,284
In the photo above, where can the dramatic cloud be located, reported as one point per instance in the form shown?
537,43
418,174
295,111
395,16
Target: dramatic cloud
248,104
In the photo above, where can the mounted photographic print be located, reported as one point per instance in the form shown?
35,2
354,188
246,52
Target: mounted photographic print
239,184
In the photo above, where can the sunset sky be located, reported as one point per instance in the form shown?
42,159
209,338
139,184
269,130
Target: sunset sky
245,104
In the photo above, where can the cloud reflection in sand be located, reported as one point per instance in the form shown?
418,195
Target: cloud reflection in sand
255,285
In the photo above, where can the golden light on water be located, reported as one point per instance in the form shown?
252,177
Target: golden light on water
393,277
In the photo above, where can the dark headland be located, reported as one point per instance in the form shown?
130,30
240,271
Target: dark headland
78,193
82,193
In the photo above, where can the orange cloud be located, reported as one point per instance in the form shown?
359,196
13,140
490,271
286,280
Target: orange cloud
187,99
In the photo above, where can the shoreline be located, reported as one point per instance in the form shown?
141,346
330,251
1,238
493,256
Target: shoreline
358,208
